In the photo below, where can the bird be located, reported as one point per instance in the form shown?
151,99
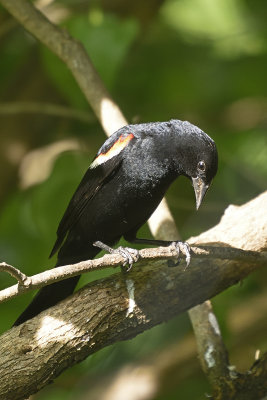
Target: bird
120,190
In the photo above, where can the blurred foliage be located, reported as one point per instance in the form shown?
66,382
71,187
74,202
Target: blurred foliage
199,60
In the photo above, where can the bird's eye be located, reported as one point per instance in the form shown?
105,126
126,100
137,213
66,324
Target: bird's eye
201,166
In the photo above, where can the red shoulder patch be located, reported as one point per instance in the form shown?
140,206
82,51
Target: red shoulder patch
114,150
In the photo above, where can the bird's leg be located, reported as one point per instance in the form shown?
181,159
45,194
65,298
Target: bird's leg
185,249
130,255
178,245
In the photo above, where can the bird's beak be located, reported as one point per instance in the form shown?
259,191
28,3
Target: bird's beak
200,189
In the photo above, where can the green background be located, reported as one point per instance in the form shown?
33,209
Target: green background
199,60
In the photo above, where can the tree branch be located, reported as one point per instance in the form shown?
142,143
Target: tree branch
147,257
211,349
125,304
16,273
159,372
73,54
55,110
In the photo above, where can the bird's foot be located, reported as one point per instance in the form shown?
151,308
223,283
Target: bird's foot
183,247
130,255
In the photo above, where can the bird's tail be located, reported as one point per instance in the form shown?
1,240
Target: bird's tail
50,295
47,297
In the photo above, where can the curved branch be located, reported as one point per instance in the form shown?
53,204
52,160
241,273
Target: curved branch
16,273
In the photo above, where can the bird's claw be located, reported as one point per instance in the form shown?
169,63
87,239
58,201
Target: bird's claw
130,256
183,247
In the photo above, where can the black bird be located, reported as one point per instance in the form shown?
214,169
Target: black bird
120,190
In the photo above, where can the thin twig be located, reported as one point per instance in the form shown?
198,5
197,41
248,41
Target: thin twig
114,260
55,110
16,273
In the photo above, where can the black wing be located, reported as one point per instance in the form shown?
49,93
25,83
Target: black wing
90,184
106,163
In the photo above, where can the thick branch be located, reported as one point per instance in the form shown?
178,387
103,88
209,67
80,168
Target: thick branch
176,362
123,305
211,349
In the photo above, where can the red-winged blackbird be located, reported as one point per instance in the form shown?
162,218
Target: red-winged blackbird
120,190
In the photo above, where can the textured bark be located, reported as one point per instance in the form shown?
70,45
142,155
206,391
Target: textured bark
157,374
125,304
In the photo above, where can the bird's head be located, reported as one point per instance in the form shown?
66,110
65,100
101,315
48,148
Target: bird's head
198,157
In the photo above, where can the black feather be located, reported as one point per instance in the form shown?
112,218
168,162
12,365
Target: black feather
91,183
